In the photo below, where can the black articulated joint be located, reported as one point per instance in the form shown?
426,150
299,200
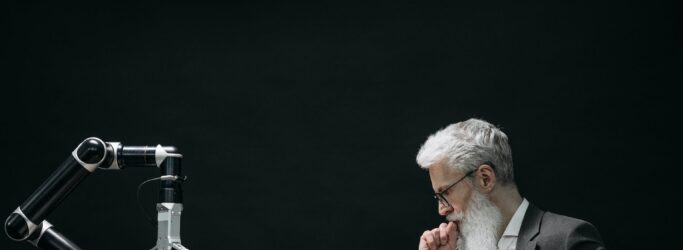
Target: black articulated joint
83,160
111,161
91,151
53,240
136,156
47,237
171,190
18,227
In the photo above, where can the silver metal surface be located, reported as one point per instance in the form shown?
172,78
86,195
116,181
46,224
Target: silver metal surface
44,226
168,229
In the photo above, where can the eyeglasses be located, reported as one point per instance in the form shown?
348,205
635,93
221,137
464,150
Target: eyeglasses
440,195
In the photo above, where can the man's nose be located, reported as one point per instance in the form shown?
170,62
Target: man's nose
444,210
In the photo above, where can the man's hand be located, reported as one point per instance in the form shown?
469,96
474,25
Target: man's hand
444,237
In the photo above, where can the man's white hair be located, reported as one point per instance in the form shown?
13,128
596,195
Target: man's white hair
468,144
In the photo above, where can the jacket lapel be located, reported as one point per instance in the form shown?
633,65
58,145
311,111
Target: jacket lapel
531,226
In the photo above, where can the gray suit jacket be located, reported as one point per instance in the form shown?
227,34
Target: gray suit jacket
548,231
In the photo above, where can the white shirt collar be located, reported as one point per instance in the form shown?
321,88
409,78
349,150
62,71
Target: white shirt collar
515,223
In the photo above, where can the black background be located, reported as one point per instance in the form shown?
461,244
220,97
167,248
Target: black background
299,122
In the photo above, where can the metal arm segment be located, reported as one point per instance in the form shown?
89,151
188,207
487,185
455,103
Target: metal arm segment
170,205
83,160
28,220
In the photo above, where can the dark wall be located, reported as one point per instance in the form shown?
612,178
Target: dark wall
299,123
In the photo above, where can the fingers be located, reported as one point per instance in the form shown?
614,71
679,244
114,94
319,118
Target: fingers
423,243
436,234
452,230
427,241
443,234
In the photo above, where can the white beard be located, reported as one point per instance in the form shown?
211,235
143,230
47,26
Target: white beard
479,224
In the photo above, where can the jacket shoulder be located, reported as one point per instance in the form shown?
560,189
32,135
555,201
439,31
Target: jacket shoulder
571,233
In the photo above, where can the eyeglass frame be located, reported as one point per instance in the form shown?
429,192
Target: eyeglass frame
441,198
440,195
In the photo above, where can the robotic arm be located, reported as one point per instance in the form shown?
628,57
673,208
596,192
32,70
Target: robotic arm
28,222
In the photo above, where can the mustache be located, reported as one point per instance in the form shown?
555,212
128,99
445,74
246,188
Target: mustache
455,216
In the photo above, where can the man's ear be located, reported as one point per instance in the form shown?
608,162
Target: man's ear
486,178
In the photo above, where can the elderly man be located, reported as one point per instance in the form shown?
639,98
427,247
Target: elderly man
470,167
